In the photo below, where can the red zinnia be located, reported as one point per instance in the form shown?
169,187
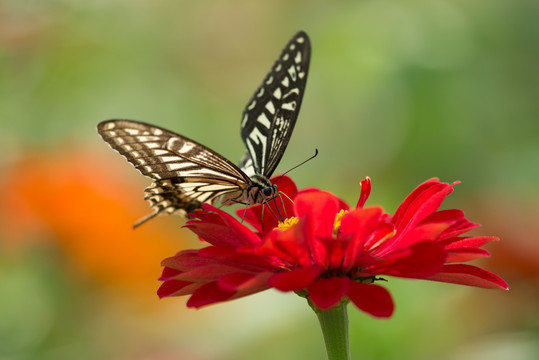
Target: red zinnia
326,251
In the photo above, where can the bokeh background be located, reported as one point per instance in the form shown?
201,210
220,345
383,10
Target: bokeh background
400,91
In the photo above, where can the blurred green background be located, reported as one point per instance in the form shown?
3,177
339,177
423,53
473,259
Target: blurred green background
400,91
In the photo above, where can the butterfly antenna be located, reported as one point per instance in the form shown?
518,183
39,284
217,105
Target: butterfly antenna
298,165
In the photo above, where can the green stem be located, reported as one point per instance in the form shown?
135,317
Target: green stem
334,323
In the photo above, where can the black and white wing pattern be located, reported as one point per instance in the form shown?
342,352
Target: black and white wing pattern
185,173
270,116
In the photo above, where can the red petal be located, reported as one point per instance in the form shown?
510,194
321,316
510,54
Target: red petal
320,207
469,275
288,246
245,283
253,215
326,293
365,192
468,242
176,288
359,225
335,250
219,228
296,279
229,287
447,215
168,273
465,254
216,251
185,260
285,185
419,261
208,272
241,257
208,294
371,298
422,202
459,223
318,210
422,232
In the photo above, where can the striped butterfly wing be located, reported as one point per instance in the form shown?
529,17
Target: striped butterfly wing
185,173
270,116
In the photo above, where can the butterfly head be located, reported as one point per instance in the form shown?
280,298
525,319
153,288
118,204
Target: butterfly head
263,190
270,192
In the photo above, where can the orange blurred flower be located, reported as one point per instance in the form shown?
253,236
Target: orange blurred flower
87,206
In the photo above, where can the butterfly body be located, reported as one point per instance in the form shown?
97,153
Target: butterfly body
187,174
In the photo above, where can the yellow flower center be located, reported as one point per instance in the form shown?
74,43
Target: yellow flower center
337,223
287,223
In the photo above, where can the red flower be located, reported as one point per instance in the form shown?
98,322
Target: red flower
328,252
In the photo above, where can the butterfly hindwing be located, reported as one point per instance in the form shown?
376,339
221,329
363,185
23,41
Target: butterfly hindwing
270,116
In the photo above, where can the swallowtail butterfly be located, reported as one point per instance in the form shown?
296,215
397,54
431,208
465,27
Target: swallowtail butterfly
187,174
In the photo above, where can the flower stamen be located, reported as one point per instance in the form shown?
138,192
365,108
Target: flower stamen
287,223
337,223
382,239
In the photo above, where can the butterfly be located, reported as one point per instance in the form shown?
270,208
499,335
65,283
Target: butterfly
187,174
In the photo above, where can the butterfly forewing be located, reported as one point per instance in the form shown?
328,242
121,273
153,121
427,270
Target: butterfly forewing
186,173
270,116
